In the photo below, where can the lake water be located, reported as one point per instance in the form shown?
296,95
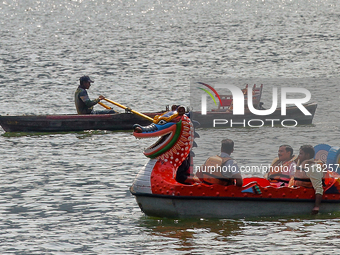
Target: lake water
68,193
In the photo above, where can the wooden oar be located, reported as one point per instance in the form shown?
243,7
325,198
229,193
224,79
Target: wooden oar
105,106
133,111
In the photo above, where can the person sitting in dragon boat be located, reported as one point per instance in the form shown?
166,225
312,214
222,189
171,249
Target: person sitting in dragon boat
283,167
221,169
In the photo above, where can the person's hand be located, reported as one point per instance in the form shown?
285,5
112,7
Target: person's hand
101,97
196,179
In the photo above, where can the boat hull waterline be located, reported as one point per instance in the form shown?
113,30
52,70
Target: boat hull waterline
226,207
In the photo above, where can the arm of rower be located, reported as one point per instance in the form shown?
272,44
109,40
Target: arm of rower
85,98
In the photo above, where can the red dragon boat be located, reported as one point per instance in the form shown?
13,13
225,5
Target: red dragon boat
159,194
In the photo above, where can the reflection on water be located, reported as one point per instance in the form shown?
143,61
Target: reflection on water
186,229
186,234
244,236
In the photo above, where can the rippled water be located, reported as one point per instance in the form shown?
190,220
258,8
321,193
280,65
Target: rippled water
68,193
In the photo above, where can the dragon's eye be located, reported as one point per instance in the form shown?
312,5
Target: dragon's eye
161,122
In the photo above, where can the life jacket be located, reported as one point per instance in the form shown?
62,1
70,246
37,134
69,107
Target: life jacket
279,172
211,171
301,179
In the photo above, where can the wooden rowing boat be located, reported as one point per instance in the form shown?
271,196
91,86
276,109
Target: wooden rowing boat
72,122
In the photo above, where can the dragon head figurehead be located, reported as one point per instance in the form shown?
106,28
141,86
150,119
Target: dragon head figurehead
176,134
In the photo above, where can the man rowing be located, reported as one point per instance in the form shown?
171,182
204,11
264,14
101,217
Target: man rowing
82,101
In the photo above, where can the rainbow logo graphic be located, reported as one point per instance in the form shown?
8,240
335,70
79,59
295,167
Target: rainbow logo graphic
209,93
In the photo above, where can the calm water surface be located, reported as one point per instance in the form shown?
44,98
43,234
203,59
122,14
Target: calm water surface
68,193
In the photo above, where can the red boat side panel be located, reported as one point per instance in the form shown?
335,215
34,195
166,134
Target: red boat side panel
163,183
